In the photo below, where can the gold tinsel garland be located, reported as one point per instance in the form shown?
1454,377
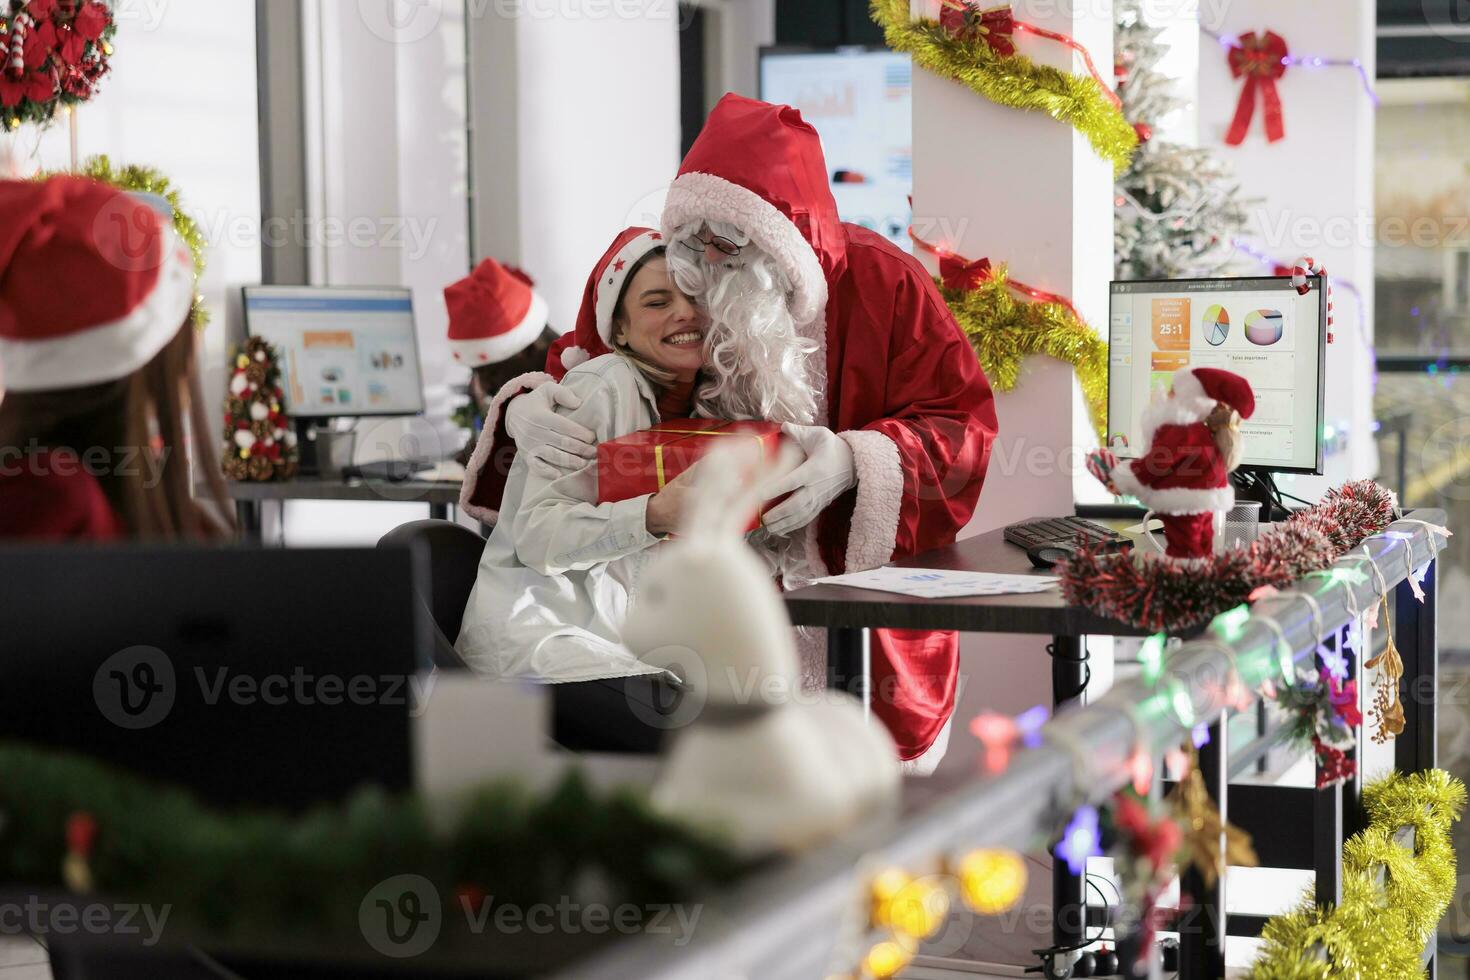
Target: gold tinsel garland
1004,330
1011,80
1380,929
146,180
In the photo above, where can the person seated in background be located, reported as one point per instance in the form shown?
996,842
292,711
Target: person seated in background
560,569
497,329
97,348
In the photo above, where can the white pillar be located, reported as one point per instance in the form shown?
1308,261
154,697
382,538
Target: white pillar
1029,192
1315,186
576,132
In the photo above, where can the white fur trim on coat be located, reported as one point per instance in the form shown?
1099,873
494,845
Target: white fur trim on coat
480,458
502,347
874,531
1173,500
705,197
930,758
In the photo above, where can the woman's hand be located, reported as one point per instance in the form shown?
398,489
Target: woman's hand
667,507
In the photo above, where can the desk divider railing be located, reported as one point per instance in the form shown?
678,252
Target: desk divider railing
1084,759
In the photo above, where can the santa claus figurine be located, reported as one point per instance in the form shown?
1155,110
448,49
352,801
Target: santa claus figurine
1193,444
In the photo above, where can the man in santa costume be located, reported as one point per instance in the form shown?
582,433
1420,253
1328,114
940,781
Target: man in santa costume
831,329
1194,444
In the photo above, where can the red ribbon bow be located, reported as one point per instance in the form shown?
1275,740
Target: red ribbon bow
959,272
997,25
1261,61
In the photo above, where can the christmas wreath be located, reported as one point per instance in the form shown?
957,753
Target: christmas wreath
52,55
1393,896
1160,594
70,822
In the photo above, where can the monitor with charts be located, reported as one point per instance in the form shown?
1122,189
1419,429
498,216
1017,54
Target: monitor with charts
860,101
1261,328
343,352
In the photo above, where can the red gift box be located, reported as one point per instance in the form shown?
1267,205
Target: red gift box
646,462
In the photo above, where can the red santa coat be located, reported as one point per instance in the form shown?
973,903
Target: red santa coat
903,386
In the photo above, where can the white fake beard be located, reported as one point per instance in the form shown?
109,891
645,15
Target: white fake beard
755,354
755,357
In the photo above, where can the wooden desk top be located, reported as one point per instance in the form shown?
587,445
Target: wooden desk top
335,488
1042,612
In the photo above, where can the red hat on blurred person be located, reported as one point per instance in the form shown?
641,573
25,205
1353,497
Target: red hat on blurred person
494,314
93,283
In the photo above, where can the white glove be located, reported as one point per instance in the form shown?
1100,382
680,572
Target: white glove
826,474
553,444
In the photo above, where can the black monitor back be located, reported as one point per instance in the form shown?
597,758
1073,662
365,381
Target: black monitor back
252,677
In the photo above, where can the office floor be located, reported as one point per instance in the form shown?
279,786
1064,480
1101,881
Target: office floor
22,958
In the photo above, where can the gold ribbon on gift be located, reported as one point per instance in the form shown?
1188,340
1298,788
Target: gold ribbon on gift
658,449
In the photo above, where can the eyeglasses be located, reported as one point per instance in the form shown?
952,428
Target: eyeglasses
699,245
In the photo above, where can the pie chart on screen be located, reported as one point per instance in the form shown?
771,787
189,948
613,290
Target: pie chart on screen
1215,325
1264,327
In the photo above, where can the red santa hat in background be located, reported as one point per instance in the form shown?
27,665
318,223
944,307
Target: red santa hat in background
494,314
93,283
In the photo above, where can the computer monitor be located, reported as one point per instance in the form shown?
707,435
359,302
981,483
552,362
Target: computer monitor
1259,327
860,101
343,352
252,677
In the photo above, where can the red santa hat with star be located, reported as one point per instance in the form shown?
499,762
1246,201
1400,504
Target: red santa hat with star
494,314
93,283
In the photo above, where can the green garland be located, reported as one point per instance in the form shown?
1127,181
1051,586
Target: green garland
1013,80
1379,930
258,874
146,180
1005,330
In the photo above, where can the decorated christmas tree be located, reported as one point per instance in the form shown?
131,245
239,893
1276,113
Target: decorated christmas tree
1178,207
260,444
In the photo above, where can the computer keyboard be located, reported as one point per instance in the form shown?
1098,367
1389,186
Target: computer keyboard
388,470
1040,531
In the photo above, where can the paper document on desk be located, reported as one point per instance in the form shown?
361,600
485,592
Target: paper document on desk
446,472
938,583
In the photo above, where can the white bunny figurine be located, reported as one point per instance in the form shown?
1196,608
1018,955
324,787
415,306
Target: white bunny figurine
777,769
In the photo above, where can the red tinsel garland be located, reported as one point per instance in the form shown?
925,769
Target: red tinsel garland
1171,595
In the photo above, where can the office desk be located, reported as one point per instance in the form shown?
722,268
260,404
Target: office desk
250,498
848,614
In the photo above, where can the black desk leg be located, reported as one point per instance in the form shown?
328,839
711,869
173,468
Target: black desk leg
247,516
438,512
1069,891
1202,928
1415,749
847,661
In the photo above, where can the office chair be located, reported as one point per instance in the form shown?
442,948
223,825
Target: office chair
454,561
